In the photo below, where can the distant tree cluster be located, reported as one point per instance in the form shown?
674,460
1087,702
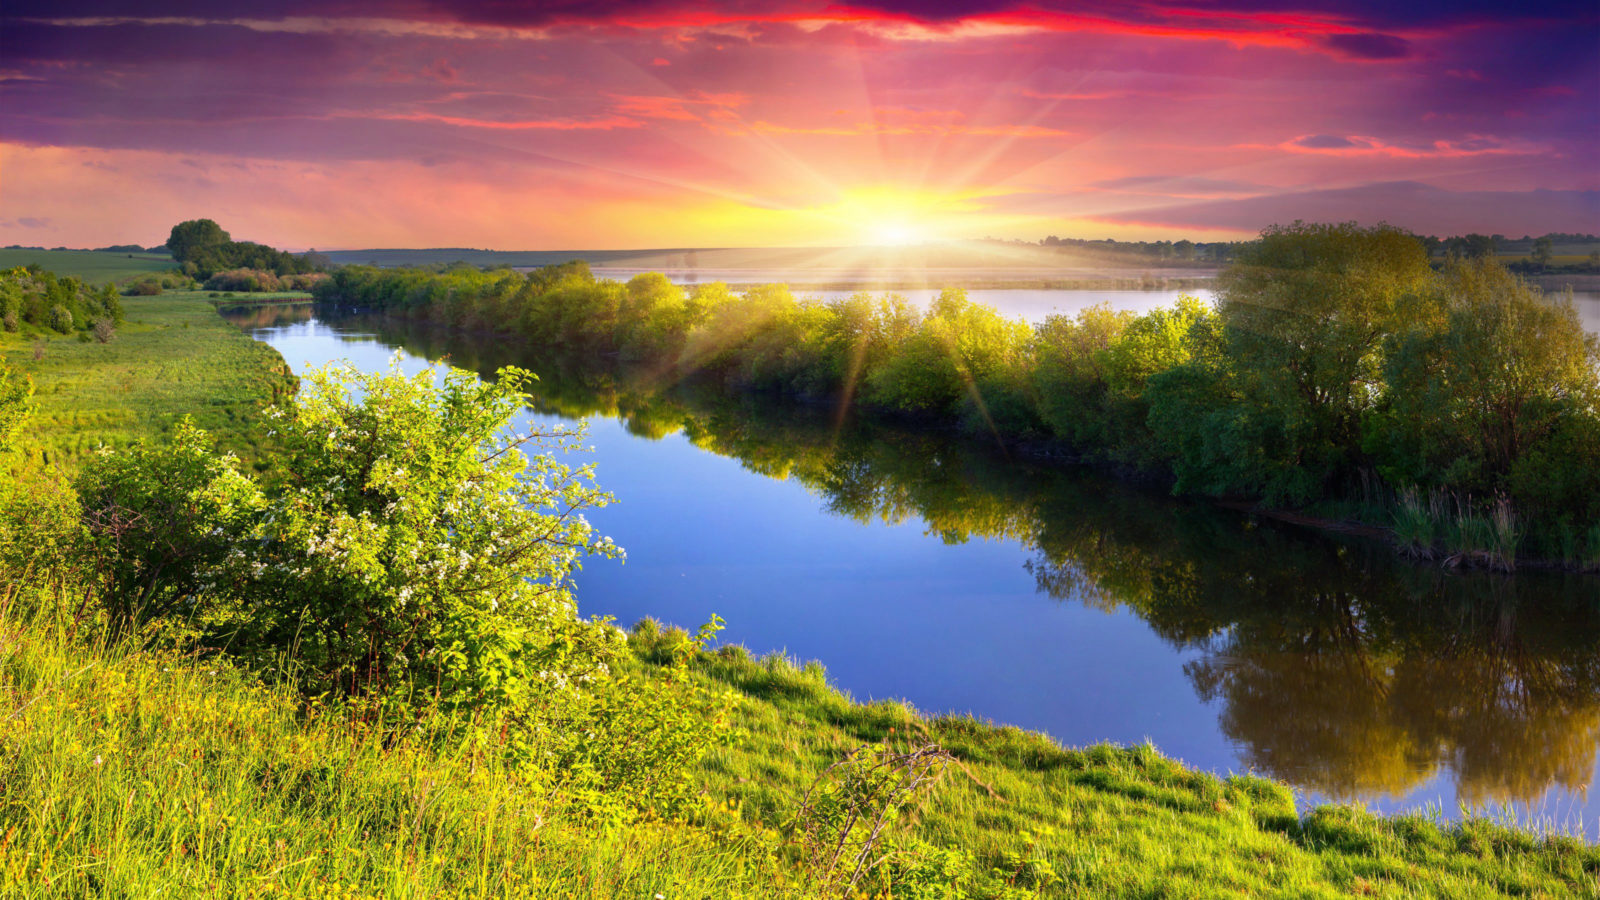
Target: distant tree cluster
1541,252
1164,251
202,249
32,297
129,248
248,280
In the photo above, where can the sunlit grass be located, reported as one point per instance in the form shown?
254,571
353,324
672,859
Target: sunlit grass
1119,822
141,774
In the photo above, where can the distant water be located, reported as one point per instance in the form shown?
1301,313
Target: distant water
928,277
1035,305
1588,304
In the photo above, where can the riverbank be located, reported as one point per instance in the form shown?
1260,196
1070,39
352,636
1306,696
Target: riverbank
191,778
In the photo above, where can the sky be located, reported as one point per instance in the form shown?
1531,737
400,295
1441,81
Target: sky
634,123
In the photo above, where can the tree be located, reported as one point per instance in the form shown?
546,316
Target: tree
192,240
1469,396
1473,246
1543,251
1305,310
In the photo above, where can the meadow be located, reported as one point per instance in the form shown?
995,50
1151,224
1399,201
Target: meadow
173,357
91,266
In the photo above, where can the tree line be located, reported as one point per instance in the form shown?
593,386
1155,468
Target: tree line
1337,366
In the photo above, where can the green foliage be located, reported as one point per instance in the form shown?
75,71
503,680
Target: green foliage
632,743
413,566
44,570
163,521
261,281
414,554
33,297
16,393
189,240
203,249
1304,312
1469,393
60,318
1069,374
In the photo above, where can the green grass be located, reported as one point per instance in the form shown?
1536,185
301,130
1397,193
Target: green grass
89,265
1120,822
131,773
175,356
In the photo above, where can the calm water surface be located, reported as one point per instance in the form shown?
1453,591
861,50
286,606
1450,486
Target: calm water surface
933,570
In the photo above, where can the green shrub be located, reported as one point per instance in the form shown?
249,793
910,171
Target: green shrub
60,318
165,519
16,392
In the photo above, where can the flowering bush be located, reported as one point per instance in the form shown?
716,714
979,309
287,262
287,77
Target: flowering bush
408,561
412,553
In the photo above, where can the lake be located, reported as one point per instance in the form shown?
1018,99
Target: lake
938,571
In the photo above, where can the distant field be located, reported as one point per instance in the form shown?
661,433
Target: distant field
89,265
862,260
175,355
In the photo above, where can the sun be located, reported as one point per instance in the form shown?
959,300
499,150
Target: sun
894,233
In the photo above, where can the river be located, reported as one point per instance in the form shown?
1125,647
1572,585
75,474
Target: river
935,570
